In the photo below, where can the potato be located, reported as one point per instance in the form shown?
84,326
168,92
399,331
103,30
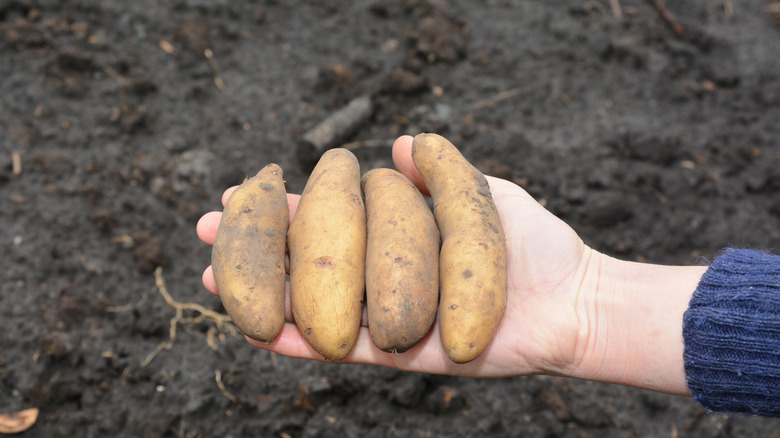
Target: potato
327,242
248,254
472,262
402,261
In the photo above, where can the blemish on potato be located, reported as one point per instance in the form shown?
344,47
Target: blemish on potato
467,273
325,262
399,260
266,187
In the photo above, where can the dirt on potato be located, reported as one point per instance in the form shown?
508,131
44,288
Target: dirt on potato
652,131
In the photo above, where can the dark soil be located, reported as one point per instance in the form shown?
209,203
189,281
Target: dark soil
656,143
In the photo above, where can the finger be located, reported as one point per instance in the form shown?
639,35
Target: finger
502,191
292,204
226,195
422,357
402,158
516,207
427,356
291,342
207,226
208,281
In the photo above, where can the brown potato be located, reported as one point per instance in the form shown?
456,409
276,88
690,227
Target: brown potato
402,261
327,242
248,254
472,263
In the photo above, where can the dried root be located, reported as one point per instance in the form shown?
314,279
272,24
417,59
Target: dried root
215,335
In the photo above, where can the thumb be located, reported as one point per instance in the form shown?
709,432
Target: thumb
402,158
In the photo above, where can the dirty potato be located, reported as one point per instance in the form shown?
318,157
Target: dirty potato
327,243
402,261
248,254
472,262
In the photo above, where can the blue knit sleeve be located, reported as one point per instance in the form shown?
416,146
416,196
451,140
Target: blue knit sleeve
731,332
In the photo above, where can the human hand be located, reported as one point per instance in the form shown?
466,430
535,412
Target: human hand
539,329
571,311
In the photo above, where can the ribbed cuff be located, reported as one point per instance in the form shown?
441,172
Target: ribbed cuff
732,334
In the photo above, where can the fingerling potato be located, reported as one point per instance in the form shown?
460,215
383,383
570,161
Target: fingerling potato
472,262
327,243
248,254
402,261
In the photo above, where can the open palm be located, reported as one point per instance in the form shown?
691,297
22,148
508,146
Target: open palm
547,264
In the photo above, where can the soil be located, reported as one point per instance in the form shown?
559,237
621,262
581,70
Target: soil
122,123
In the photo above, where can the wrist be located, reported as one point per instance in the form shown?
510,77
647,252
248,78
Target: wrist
630,323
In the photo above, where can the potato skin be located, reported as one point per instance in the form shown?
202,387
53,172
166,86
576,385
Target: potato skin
248,254
402,261
327,242
472,263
